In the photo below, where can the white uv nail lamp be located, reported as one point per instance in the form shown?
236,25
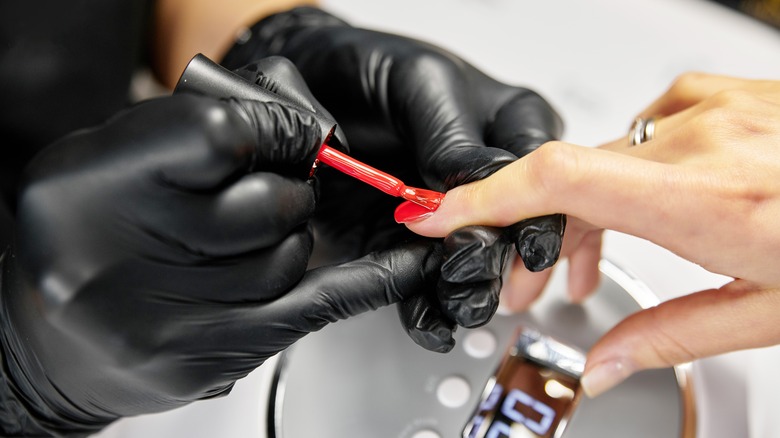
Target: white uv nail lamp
516,377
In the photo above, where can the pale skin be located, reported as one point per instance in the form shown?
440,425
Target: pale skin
707,187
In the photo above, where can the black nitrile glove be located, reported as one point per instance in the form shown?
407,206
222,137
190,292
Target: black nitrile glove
397,98
155,263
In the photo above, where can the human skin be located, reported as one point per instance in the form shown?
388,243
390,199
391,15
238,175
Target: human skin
705,187
184,28
707,177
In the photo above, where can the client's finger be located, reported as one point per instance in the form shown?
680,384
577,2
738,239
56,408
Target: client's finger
691,88
606,189
737,316
662,127
522,286
584,266
693,95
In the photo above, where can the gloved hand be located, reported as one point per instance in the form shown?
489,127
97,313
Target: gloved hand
155,263
397,98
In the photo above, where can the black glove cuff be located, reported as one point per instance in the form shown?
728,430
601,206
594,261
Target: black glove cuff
271,35
24,412
15,421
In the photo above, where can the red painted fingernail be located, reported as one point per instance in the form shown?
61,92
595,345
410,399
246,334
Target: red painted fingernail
410,212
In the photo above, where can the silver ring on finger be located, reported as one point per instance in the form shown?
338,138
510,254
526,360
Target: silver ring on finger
642,130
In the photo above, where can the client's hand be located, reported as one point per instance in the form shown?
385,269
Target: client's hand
430,118
703,184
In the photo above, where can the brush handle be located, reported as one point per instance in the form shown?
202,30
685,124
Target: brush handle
369,175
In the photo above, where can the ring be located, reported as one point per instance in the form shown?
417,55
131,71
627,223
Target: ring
650,128
642,130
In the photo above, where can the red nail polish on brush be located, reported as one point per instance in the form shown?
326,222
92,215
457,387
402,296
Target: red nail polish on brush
423,200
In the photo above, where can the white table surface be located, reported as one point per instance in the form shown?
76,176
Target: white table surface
599,62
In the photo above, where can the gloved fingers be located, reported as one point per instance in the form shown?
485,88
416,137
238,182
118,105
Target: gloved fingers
469,304
457,155
474,253
355,216
522,287
255,277
523,123
219,140
333,293
286,139
739,315
474,259
279,75
433,101
463,164
422,319
179,305
538,240
211,145
376,280
453,151
256,211
460,162
582,247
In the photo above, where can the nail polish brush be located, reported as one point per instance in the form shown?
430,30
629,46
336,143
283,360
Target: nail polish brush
389,184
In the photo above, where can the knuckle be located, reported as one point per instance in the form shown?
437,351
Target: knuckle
731,114
204,111
686,84
428,63
222,129
730,99
689,79
553,167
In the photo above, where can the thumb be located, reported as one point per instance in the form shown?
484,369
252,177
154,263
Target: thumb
737,316
333,293
284,136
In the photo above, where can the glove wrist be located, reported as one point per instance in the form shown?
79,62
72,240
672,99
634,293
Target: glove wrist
273,34
24,409
15,417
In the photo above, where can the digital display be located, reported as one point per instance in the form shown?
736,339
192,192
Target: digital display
532,393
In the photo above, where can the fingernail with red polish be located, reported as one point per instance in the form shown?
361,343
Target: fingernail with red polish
409,212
